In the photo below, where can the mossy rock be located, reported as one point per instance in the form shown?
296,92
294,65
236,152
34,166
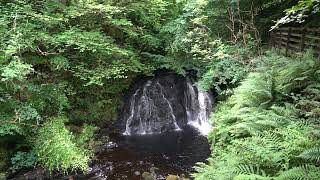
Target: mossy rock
174,177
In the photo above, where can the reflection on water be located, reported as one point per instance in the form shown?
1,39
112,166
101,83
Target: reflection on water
127,157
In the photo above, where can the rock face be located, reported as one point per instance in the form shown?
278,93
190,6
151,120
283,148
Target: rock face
165,103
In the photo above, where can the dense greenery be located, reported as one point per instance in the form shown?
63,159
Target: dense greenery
269,127
71,59
65,64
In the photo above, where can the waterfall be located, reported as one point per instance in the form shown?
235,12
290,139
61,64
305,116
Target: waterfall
198,108
166,103
129,120
170,108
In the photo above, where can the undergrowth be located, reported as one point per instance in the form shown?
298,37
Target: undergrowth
269,127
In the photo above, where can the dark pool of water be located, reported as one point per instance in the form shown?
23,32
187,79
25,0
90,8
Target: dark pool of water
127,157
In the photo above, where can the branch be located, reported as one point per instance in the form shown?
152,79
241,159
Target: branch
45,53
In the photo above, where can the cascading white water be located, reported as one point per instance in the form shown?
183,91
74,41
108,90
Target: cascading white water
167,104
129,120
145,116
170,108
198,108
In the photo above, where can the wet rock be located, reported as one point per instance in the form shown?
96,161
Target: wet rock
161,177
174,177
124,177
137,173
159,102
148,176
165,103
165,157
111,145
36,174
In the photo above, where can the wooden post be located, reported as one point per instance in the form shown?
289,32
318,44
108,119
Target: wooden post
280,41
288,41
271,39
303,37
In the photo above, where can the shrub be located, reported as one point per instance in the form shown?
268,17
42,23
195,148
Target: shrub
227,67
23,160
86,138
222,76
57,150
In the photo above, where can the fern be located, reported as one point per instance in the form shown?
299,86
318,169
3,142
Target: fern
312,154
245,169
255,91
303,172
298,74
250,177
269,120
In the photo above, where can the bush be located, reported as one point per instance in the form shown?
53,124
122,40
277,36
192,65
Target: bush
57,150
22,160
85,139
228,66
222,76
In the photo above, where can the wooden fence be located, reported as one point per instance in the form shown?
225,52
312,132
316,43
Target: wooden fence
294,39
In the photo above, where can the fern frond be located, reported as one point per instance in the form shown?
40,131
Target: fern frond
251,177
249,169
255,91
316,133
249,172
301,173
312,154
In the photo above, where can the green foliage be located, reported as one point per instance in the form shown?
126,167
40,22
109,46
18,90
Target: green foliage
261,131
72,57
27,113
15,70
312,154
10,129
187,37
229,65
59,63
4,157
56,149
302,172
78,57
300,12
23,160
86,137
223,75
